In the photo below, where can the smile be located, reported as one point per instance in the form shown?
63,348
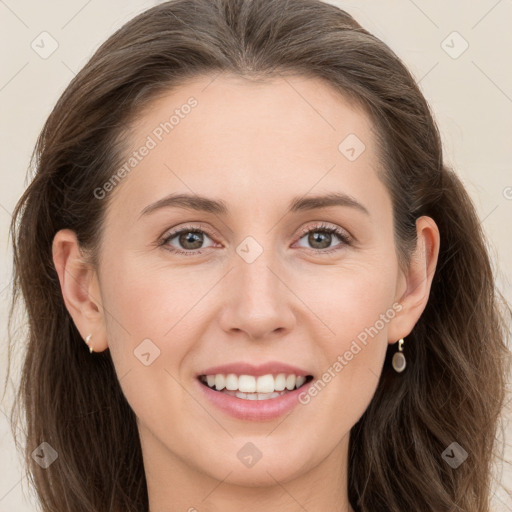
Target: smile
254,392
250,387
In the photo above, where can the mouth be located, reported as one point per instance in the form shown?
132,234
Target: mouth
251,387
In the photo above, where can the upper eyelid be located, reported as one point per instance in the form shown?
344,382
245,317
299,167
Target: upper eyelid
173,232
322,225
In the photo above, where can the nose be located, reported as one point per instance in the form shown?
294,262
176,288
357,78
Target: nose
259,302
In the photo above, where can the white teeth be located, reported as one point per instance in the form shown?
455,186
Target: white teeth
247,383
231,382
290,382
300,380
265,384
253,386
253,396
280,382
220,381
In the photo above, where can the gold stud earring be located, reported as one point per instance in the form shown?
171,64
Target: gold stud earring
87,340
398,361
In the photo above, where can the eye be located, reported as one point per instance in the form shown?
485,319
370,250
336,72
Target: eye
320,238
190,238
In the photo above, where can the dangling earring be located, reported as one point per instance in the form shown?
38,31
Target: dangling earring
398,361
87,340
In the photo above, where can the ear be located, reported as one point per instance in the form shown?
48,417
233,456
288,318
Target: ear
80,288
414,289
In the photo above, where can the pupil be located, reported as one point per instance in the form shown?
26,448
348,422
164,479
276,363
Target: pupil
315,236
191,237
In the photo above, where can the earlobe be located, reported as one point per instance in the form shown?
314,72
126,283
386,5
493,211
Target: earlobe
78,283
418,279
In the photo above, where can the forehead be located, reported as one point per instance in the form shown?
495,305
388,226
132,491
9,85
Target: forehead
247,140
292,107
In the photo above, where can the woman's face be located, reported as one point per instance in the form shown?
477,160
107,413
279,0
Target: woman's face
258,281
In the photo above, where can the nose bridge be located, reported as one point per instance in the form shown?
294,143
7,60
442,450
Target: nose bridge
254,261
259,301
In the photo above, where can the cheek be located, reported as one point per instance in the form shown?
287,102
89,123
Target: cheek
148,302
367,307
354,306
350,299
153,324
141,310
364,306
146,317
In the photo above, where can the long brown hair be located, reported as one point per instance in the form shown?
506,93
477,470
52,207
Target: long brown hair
454,388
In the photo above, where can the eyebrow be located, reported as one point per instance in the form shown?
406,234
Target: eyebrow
219,207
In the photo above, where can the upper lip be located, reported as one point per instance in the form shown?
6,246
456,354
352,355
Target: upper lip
243,368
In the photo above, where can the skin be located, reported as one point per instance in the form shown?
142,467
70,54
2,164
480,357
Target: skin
255,146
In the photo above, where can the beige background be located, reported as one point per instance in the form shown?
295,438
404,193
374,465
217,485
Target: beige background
470,93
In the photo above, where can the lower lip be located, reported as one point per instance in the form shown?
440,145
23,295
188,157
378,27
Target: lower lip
254,410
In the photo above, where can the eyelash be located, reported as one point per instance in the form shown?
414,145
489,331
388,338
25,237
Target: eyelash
201,229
